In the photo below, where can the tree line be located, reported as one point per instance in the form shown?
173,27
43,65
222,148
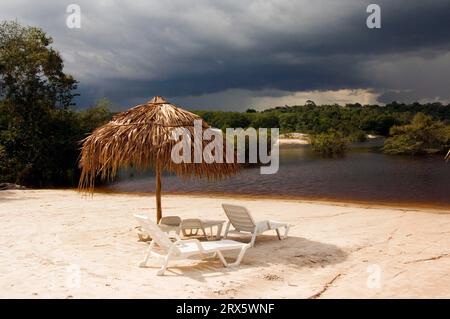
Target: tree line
350,119
331,127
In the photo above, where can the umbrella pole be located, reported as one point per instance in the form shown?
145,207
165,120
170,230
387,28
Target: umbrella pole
158,193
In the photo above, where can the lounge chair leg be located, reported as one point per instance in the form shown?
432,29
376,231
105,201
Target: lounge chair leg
222,259
204,233
164,266
252,242
227,229
240,256
147,256
278,233
286,231
219,231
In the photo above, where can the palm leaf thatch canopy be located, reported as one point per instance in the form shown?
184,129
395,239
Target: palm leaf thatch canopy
141,138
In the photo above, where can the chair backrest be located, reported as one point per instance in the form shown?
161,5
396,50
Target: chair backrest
156,233
239,217
170,220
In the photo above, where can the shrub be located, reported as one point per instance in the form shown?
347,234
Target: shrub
422,136
329,144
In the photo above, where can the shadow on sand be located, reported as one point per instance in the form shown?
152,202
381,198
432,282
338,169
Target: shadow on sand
294,252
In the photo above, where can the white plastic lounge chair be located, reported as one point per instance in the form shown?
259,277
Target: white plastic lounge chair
182,249
242,221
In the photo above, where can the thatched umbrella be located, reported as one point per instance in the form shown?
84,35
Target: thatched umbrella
141,138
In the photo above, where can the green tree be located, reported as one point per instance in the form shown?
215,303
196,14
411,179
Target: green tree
35,120
265,120
423,135
95,116
310,103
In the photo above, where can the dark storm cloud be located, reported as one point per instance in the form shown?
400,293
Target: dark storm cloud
131,50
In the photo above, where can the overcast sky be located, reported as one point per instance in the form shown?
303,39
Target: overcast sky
235,54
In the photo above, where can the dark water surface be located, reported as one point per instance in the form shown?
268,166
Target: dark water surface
364,175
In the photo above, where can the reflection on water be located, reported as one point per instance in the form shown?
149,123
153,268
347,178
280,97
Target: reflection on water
364,174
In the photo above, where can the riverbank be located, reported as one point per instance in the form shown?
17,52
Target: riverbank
304,139
72,246
294,139
409,205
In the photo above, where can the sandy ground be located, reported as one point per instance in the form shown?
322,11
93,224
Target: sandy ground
294,138
56,243
293,141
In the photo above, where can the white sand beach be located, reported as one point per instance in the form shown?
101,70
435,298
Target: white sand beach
58,244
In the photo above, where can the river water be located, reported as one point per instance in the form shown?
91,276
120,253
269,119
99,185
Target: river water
364,174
